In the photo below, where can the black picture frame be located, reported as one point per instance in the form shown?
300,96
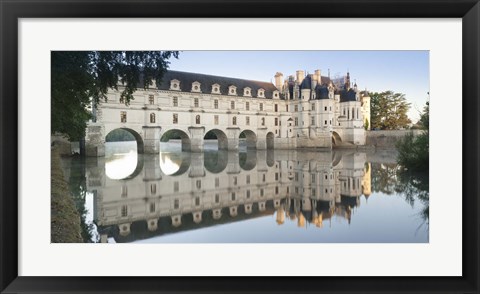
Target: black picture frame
11,11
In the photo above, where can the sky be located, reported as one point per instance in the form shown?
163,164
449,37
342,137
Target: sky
404,72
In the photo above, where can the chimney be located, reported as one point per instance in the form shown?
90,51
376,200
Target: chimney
279,81
300,76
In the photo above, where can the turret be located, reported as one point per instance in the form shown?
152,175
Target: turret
347,81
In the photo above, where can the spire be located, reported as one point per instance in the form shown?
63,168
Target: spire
347,82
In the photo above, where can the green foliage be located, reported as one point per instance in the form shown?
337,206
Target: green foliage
413,152
389,111
366,124
119,135
80,78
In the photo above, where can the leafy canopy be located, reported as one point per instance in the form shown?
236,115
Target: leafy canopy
389,111
80,78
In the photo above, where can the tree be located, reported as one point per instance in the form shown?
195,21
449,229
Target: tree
413,151
366,124
389,111
82,78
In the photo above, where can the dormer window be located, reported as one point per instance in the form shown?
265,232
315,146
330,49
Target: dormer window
215,89
232,90
261,93
275,94
175,85
196,87
247,92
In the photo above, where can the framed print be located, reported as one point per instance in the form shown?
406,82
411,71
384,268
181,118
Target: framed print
255,149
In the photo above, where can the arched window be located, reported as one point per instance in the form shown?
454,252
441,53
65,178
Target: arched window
197,119
152,117
234,121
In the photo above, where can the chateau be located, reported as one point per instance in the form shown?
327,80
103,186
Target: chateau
300,111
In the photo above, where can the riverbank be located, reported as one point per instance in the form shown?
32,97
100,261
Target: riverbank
65,220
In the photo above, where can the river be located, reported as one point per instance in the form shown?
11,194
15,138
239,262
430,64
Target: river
250,196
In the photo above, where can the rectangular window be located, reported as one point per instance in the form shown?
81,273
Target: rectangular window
247,105
276,190
124,191
276,176
199,184
247,120
261,106
176,204
263,121
313,120
153,189
313,178
151,99
122,99
248,179
175,101
296,108
152,207
217,198
215,104
235,181
286,108
276,121
217,182
330,122
175,118
262,192
215,119
232,104
248,194
296,121
233,196
176,186
123,116
325,108
124,210
195,102
313,106
325,122
276,107
263,177
197,201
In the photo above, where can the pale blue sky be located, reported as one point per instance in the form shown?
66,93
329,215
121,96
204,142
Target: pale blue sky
406,72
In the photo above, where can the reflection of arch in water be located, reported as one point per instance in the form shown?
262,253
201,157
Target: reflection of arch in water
336,139
270,143
136,135
270,158
248,160
174,163
221,138
336,157
175,134
250,139
124,166
215,162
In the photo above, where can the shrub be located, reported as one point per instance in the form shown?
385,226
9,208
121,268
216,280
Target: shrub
413,152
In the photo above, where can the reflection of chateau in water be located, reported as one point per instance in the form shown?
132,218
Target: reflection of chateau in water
174,192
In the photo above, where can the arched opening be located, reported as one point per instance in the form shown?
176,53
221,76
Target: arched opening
175,140
270,138
123,140
336,139
121,154
248,140
215,140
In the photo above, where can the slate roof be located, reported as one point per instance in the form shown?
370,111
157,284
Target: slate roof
206,81
349,95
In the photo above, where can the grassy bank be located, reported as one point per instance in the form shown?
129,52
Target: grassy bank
65,220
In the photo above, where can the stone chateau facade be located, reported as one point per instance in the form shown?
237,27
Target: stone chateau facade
301,111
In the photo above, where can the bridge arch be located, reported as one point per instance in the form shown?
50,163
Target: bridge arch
135,134
250,138
270,139
221,137
336,139
175,136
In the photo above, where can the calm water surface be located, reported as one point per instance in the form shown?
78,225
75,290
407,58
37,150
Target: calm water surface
281,196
